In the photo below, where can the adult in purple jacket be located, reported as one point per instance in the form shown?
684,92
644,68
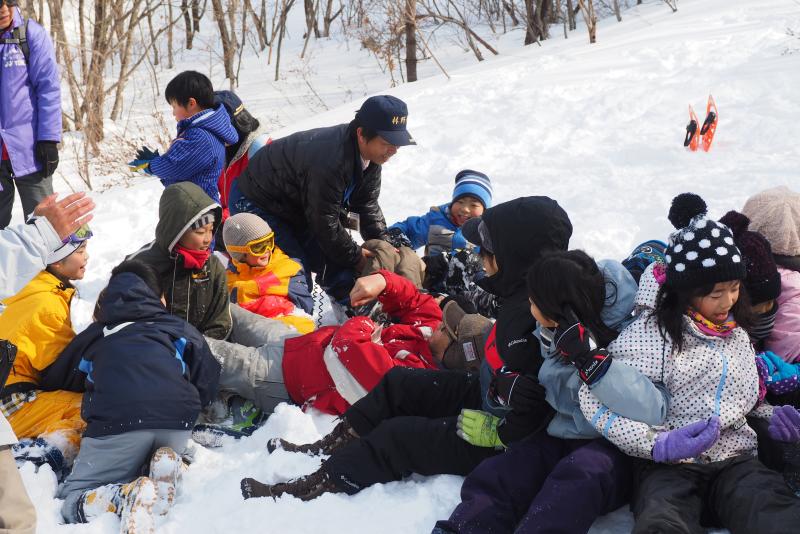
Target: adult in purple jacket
30,112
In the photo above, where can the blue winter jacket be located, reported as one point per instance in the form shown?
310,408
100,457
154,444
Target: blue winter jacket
434,230
30,96
631,393
145,368
197,154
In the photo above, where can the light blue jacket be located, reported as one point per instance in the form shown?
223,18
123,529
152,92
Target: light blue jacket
629,392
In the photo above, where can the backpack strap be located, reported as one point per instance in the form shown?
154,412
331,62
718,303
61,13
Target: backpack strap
19,37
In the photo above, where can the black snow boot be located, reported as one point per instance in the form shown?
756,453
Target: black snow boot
304,488
341,435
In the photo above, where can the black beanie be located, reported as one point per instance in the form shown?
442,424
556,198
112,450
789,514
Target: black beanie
763,280
701,252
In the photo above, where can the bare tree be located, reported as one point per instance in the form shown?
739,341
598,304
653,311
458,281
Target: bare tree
673,5
410,19
590,17
227,37
329,16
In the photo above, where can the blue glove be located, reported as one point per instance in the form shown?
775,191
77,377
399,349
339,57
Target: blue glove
142,162
783,377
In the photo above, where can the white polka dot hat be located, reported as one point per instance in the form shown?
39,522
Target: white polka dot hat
701,251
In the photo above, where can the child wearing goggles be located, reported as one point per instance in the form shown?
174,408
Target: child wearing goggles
261,277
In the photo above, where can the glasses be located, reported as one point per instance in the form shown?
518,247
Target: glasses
256,247
78,236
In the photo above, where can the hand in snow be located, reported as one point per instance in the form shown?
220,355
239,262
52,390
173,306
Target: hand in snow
785,424
687,441
66,215
366,289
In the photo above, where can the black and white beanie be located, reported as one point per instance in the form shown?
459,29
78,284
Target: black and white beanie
702,251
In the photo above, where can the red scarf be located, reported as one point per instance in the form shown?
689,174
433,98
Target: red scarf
193,259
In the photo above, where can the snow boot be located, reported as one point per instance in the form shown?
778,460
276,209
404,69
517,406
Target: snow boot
304,488
166,471
39,452
341,435
132,502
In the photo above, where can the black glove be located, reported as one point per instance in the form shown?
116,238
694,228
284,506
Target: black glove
146,154
577,345
435,271
47,156
396,238
515,389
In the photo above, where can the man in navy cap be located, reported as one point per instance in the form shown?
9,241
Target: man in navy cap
312,186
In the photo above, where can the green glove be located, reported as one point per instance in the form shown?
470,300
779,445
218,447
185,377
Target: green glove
478,428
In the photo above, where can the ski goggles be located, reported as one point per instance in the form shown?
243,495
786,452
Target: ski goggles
78,236
256,247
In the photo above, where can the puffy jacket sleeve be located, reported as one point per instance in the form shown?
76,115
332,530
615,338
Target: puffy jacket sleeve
785,337
47,335
359,358
187,156
365,203
44,76
24,252
402,301
634,438
218,321
416,229
324,204
68,372
629,393
203,367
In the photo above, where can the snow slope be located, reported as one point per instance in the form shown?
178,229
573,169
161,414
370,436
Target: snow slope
599,128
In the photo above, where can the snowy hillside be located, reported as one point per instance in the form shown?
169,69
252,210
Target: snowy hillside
599,128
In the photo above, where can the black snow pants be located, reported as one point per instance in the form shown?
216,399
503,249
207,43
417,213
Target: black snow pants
407,424
739,493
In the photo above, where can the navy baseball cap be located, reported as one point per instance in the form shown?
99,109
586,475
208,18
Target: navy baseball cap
387,116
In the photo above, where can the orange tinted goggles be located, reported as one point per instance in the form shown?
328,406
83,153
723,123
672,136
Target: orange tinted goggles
256,247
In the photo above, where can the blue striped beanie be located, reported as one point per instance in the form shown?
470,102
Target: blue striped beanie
475,184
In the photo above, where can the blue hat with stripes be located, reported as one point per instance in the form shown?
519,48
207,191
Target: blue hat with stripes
474,184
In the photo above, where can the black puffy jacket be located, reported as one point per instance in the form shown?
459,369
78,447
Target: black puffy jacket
145,368
521,230
302,179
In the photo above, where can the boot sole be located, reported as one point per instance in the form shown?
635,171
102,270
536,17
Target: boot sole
137,512
165,472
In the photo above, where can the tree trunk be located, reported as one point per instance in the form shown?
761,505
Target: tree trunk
617,12
329,17
411,40
589,16
187,23
169,36
228,49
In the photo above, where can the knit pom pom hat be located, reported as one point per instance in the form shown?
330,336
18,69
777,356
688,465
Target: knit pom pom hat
701,252
775,214
474,184
763,281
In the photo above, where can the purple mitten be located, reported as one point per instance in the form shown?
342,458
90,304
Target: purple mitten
785,424
687,441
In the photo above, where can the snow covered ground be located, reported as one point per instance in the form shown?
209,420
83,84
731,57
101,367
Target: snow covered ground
599,128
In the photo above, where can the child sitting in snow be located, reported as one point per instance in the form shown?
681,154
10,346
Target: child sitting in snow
261,278
193,279
37,321
148,374
197,154
699,463
439,230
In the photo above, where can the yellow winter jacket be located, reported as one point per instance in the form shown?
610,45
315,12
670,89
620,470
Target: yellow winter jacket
37,321
272,291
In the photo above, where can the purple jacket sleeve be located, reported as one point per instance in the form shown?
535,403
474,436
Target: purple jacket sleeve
44,76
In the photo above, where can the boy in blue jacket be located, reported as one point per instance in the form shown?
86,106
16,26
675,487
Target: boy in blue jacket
148,374
197,154
439,230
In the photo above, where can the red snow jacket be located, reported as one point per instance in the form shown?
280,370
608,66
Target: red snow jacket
333,367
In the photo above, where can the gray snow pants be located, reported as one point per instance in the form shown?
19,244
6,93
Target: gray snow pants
115,459
252,361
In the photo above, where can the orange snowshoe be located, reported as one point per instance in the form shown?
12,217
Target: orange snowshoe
692,137
709,125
